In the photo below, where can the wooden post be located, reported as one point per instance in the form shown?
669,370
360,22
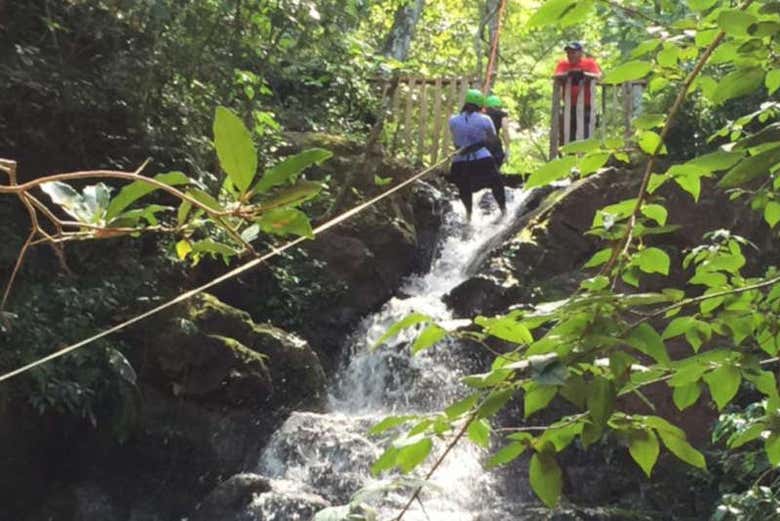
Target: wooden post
603,113
395,116
451,107
627,110
423,121
567,112
437,93
555,119
407,140
579,129
594,106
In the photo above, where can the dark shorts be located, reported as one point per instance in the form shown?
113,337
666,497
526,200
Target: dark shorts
474,175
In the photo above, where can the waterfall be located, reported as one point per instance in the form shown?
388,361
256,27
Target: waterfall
329,454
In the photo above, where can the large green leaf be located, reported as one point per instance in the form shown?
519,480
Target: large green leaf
494,402
405,323
537,397
686,395
576,14
428,338
735,22
714,161
505,328
653,260
751,168
286,221
388,423
738,83
678,446
479,433
235,149
646,339
772,446
507,454
772,213
724,384
601,401
137,189
288,170
546,478
550,12
655,212
629,71
650,143
644,448
772,80
295,195
552,171
411,452
701,5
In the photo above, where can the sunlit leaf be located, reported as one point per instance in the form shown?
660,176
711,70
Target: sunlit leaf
235,149
137,189
644,448
546,478
288,170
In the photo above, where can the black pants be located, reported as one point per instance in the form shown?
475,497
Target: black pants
472,176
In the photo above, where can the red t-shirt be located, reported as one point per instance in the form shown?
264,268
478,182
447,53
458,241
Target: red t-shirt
585,65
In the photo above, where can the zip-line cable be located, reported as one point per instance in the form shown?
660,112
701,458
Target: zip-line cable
229,275
494,48
274,250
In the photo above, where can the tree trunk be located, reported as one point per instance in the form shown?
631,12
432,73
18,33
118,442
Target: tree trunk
397,45
399,40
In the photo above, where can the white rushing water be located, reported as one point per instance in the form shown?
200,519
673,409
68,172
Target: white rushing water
329,454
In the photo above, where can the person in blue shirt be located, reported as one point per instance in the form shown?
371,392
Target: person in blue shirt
474,168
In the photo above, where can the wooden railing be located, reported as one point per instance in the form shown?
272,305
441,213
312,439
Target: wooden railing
418,115
584,118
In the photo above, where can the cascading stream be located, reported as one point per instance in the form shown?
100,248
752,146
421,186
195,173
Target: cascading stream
329,454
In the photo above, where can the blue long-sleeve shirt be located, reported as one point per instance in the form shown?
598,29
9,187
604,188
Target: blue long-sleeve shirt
469,129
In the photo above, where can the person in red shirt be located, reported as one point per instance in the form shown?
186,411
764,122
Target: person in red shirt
577,67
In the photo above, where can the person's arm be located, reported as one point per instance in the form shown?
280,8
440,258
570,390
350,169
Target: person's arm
592,69
561,70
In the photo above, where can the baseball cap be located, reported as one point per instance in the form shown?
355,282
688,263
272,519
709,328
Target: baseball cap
573,46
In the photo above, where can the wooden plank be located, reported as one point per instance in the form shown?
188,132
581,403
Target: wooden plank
626,110
594,107
407,141
567,112
437,94
394,116
452,106
423,123
603,112
615,109
555,119
579,129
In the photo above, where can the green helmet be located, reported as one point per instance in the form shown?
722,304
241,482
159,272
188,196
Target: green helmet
493,102
475,97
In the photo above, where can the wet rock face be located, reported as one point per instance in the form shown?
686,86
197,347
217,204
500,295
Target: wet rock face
215,353
215,386
230,498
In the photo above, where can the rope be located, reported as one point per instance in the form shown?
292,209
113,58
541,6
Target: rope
229,275
494,48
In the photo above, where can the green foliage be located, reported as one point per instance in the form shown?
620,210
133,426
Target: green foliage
598,345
